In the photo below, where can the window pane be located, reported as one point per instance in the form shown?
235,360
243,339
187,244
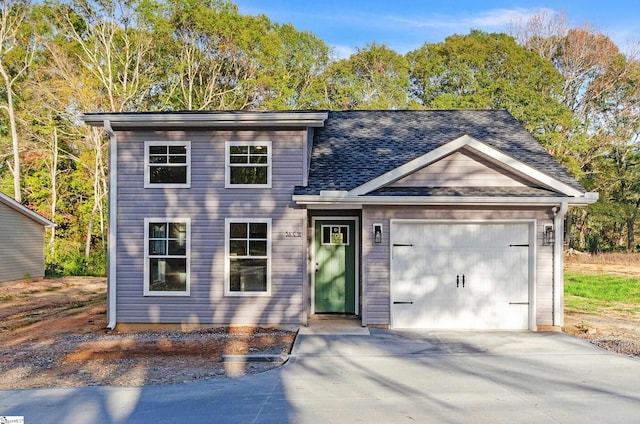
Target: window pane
168,174
178,150
157,159
177,159
157,247
258,150
326,235
178,230
248,275
157,230
257,248
238,159
157,150
238,248
248,175
238,230
258,159
177,247
258,230
168,274
238,150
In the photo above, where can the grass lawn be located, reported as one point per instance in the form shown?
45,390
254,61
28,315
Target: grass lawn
593,292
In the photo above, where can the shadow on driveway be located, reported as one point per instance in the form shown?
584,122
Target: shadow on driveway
387,376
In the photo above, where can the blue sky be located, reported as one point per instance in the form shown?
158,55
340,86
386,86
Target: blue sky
404,25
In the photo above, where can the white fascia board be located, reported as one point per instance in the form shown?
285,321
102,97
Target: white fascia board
207,119
8,201
455,145
444,200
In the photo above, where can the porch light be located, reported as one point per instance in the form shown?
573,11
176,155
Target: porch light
377,233
549,235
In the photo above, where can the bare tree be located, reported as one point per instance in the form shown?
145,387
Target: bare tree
16,55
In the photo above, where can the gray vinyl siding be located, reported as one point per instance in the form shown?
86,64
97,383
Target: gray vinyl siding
376,261
21,246
455,171
207,203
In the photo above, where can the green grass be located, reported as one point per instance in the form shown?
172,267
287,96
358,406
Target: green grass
592,292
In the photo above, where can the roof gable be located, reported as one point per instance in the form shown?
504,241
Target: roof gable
11,203
512,168
462,168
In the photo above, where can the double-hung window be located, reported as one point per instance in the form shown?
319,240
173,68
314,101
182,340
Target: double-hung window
248,257
248,164
167,164
167,256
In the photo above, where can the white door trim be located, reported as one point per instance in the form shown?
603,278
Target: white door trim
356,238
532,225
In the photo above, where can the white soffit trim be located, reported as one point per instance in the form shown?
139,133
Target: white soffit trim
455,145
8,201
444,200
207,119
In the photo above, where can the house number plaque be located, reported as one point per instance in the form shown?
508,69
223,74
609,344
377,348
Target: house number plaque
293,234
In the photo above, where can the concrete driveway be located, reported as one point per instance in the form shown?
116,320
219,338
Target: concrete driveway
384,377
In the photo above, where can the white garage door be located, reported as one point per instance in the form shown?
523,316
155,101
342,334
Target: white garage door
460,275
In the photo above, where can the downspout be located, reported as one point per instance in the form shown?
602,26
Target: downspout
558,272
113,226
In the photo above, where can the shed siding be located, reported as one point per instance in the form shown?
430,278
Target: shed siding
208,203
21,246
376,261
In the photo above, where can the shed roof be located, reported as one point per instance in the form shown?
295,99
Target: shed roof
11,203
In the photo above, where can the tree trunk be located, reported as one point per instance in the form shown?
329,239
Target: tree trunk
17,194
54,187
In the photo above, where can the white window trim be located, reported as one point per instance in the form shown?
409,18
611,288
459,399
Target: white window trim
147,271
147,165
227,163
227,257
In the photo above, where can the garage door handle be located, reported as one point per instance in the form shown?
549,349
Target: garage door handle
401,245
403,303
518,303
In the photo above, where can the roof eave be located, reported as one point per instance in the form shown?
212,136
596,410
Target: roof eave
204,119
587,199
6,200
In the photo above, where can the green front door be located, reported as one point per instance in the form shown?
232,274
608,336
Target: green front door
335,262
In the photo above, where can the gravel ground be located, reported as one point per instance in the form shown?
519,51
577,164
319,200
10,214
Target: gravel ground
140,359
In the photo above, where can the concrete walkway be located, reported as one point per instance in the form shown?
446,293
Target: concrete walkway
386,377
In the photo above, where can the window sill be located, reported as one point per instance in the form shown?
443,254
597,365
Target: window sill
166,294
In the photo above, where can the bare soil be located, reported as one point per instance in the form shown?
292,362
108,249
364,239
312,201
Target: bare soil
53,334
615,327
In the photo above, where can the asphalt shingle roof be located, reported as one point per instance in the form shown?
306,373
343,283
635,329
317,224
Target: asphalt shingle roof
355,147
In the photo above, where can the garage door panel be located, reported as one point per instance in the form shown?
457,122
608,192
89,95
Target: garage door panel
460,276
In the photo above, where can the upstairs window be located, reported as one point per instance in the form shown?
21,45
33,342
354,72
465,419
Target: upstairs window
167,164
248,164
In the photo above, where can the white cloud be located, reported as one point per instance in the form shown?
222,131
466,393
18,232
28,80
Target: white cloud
341,52
494,19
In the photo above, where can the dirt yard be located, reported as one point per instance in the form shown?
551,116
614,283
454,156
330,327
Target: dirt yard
53,334
617,327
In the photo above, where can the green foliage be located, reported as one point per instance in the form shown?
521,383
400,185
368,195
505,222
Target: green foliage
491,71
74,263
608,288
375,77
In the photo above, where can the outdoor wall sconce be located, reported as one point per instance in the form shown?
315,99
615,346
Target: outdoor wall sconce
377,233
549,235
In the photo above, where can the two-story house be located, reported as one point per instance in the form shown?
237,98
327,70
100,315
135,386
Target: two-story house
405,219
